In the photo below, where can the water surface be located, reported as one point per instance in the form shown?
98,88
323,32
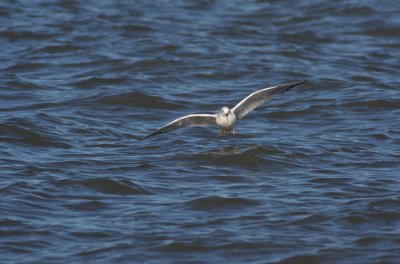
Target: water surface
311,177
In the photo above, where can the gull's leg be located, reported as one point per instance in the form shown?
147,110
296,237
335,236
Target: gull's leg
222,133
233,131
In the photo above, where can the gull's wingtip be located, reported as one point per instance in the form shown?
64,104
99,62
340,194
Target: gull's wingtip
291,85
143,138
299,82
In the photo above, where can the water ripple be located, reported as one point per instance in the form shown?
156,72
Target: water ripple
310,177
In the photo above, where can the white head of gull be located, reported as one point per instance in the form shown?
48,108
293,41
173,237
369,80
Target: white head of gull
226,118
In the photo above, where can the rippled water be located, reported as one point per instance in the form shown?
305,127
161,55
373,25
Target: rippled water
312,176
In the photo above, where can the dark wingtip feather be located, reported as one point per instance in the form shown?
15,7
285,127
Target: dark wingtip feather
291,85
145,137
154,134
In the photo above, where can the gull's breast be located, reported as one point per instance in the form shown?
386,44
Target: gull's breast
226,122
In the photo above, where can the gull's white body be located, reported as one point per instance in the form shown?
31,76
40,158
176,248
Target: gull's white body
226,118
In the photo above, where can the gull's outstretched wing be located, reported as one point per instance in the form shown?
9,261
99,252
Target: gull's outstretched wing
186,121
258,98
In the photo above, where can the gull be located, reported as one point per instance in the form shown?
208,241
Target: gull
226,118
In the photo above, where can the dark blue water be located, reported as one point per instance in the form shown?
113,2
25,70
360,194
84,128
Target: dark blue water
311,177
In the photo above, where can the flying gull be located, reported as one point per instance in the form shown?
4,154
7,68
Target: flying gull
226,118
